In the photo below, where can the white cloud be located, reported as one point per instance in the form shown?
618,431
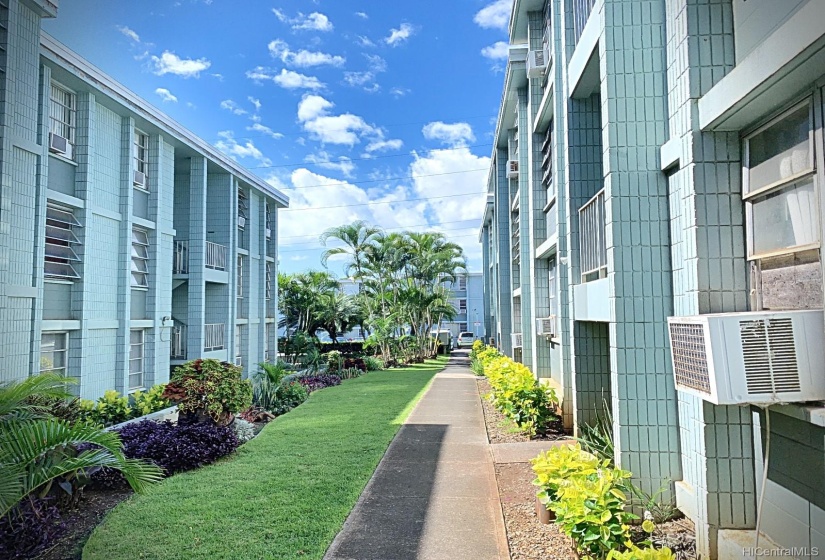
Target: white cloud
357,79
456,134
384,145
399,92
263,129
129,33
314,22
279,14
303,58
362,15
232,107
365,41
325,160
495,15
496,51
255,102
228,145
287,79
398,36
166,95
170,63
345,129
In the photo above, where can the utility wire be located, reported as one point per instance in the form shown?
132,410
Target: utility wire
386,229
321,246
429,151
379,202
342,183
317,241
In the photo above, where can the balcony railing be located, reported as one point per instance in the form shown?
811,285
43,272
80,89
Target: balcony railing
215,256
214,337
592,247
180,264
581,12
178,346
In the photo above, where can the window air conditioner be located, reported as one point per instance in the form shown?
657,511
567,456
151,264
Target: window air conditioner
241,222
59,145
750,358
536,63
546,326
139,179
512,169
268,233
517,339
239,361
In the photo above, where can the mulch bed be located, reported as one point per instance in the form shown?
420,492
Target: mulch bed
528,539
81,521
501,429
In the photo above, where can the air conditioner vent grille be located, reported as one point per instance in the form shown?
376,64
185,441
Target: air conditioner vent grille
690,361
769,355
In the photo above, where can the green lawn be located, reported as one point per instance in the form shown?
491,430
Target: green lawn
285,494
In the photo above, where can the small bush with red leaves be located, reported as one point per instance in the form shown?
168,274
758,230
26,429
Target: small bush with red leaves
209,388
357,363
315,382
29,528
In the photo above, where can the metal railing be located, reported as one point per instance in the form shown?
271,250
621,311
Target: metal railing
180,264
581,12
214,337
592,247
215,256
178,342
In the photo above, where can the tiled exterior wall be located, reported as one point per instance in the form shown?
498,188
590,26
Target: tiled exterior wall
100,308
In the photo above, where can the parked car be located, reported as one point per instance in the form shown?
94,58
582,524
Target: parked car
465,339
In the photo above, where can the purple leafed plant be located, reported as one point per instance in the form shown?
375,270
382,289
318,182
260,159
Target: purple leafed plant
315,382
29,528
175,447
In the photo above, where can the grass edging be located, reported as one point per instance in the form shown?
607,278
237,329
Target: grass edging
285,494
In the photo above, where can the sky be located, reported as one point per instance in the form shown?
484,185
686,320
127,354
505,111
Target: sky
356,109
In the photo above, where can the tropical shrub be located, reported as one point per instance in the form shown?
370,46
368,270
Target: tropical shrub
560,463
335,361
244,430
275,372
642,554
373,363
358,363
597,437
29,528
178,447
265,393
147,402
209,388
68,409
290,395
37,450
350,373
318,381
110,409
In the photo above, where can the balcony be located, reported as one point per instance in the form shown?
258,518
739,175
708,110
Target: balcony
180,263
592,247
581,13
178,342
215,256
214,337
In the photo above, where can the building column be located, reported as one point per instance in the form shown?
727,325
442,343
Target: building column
197,257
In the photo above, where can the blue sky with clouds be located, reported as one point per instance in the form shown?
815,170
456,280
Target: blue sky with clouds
371,110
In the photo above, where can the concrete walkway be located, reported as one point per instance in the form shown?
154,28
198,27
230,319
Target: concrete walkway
434,494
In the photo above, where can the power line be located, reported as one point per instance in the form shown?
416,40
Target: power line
379,202
321,247
317,241
339,161
386,229
341,183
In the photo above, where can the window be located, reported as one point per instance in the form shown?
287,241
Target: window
136,340
462,306
268,281
462,282
53,350
552,300
140,258
243,208
238,344
239,289
60,242
62,112
267,218
141,159
780,190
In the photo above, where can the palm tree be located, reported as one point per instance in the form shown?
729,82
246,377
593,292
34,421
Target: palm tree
358,238
36,449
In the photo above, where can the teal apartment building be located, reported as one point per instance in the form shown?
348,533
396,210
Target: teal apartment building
652,244
127,244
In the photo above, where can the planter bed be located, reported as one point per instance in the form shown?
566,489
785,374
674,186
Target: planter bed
501,429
